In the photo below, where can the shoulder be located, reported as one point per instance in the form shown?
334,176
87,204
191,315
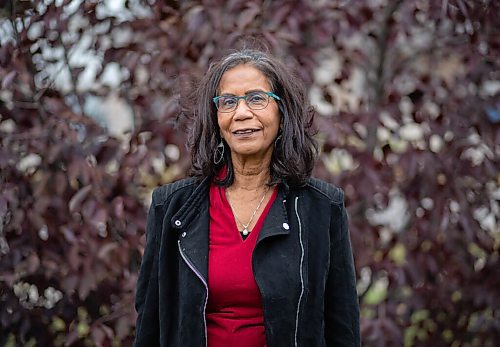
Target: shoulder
325,189
165,192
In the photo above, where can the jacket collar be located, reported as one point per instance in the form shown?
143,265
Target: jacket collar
276,222
193,222
191,208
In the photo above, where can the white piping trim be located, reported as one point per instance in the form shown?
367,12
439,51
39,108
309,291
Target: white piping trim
188,263
301,271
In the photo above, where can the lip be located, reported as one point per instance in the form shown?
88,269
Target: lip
243,132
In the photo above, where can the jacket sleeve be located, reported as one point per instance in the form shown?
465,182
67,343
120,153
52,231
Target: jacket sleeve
341,300
146,298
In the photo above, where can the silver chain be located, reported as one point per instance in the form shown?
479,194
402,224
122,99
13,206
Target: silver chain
245,230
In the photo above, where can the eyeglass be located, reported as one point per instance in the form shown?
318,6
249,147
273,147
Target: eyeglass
254,101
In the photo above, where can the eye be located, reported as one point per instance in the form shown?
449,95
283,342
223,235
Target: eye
227,101
256,98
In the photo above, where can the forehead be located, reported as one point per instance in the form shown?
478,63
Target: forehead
243,78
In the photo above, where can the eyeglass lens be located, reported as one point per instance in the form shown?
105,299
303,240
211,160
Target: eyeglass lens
254,101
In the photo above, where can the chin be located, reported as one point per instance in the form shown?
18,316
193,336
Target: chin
245,152
251,152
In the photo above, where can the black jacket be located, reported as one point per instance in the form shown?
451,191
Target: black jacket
302,264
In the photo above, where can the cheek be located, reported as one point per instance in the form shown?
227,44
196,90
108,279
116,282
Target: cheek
274,124
224,125
221,124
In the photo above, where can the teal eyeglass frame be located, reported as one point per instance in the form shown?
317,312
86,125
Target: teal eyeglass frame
244,97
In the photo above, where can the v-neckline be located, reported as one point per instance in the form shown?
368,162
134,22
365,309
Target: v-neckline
257,223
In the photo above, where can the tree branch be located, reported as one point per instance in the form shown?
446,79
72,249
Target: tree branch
378,83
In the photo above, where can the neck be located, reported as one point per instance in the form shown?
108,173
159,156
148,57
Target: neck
250,175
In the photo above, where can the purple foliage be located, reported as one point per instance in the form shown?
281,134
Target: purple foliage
407,101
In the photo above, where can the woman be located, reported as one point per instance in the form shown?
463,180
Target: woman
250,251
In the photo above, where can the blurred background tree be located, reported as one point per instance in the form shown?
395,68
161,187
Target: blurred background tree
407,95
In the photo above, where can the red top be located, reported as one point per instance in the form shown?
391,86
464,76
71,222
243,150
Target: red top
234,311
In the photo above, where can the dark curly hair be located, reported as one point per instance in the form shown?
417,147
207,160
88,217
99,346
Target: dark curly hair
295,152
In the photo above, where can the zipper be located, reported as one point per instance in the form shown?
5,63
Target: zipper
193,268
301,271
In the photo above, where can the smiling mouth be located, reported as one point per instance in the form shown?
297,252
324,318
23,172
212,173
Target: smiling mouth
245,131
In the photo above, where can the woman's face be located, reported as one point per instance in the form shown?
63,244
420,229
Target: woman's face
249,133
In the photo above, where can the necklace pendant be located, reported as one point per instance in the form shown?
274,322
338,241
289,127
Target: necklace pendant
245,232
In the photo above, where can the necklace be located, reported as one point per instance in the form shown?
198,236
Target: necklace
245,230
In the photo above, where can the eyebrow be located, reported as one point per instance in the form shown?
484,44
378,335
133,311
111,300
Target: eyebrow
246,93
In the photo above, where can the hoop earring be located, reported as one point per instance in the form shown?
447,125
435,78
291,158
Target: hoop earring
219,153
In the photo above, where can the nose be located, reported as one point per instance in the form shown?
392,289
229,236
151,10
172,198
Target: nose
242,111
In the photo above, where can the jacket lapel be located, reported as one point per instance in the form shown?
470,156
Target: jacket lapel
276,222
193,222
